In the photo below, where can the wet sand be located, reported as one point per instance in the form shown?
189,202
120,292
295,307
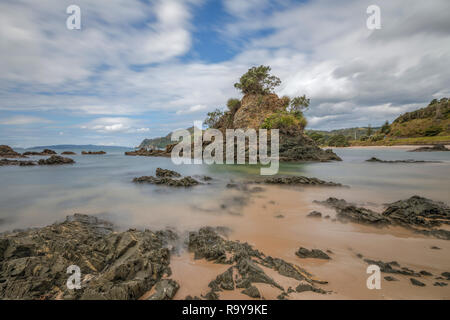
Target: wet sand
345,272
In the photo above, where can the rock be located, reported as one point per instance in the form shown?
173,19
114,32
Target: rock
446,275
389,278
435,248
314,214
35,262
425,273
6,162
252,292
373,159
314,253
8,152
302,287
392,267
56,160
418,211
45,152
436,147
184,182
68,153
165,173
92,152
299,180
440,284
417,282
165,290
144,152
280,216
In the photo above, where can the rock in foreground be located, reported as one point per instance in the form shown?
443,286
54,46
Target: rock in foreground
56,160
114,265
8,152
6,162
45,152
436,147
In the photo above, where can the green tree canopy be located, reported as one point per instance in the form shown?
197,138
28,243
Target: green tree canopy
257,80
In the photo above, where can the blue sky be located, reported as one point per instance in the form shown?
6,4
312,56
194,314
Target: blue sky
142,68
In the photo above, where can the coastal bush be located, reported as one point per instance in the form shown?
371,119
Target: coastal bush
212,118
432,131
285,121
338,141
233,105
257,80
299,103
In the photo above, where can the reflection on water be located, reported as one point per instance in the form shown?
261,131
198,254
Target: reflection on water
37,196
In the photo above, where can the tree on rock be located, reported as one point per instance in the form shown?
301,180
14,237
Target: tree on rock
257,80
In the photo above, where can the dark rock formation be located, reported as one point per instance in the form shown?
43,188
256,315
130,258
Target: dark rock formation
45,152
314,214
92,152
183,182
165,173
436,147
6,162
151,152
373,159
68,153
245,263
165,290
8,152
314,253
389,278
299,180
114,265
417,282
440,284
418,211
56,160
393,267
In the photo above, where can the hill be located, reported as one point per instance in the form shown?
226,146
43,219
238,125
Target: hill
159,142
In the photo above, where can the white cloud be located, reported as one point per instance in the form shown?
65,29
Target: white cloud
193,109
23,120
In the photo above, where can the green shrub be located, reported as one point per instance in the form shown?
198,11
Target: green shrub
213,118
338,140
257,80
285,121
432,131
233,105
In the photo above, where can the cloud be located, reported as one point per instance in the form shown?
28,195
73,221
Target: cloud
23,120
193,109
114,125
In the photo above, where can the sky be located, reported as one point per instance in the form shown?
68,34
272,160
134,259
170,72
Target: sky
141,68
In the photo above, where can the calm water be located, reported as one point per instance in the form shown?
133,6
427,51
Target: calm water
101,185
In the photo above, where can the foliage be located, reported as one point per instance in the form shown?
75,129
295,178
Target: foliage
299,103
213,118
285,121
338,141
257,80
385,128
432,131
233,105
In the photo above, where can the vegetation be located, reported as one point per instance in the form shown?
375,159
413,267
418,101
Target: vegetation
257,80
285,121
212,118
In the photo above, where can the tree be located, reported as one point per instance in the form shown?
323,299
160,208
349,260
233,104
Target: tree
213,118
257,80
385,128
369,130
299,103
233,105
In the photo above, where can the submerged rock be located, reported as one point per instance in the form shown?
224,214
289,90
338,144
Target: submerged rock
151,152
314,253
45,152
183,182
92,152
6,162
8,152
68,153
166,173
373,159
417,282
314,214
55,160
299,180
436,147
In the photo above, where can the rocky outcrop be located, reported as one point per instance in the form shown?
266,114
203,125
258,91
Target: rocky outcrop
165,173
6,162
299,180
314,253
416,213
373,159
144,152
436,147
56,160
8,152
113,265
68,153
245,264
314,214
92,152
45,152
